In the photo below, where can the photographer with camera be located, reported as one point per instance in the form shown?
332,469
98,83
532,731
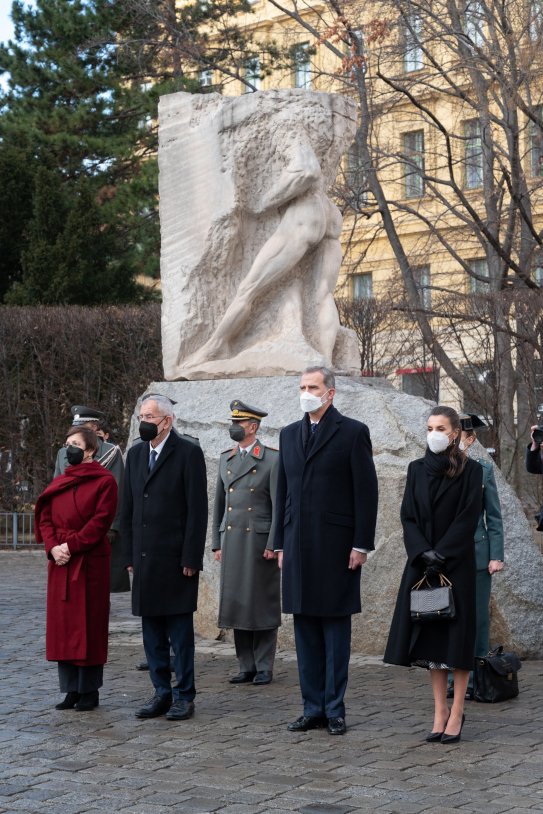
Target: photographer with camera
534,462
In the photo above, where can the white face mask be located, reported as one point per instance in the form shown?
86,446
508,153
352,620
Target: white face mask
310,403
437,441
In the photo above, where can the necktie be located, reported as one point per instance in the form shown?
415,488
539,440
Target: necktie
243,452
152,459
314,428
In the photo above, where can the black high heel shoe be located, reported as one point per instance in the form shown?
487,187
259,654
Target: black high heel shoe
434,737
453,738
69,702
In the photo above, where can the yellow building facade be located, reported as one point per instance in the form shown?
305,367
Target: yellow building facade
443,157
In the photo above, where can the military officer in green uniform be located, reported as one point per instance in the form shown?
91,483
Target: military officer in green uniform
243,532
488,547
111,457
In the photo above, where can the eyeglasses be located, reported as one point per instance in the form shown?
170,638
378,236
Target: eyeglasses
149,417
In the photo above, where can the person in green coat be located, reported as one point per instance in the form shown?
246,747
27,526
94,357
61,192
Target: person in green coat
243,532
488,546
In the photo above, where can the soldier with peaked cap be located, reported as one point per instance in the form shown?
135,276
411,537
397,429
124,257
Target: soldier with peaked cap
488,547
243,533
111,457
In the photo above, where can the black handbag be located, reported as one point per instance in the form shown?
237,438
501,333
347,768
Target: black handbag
429,603
495,676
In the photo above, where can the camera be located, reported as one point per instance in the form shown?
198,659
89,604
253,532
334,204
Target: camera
537,434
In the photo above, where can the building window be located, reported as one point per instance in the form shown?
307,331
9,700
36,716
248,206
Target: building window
422,281
478,376
535,8
355,178
413,150
476,286
206,78
538,275
302,66
474,22
252,74
362,286
473,154
412,52
420,381
536,145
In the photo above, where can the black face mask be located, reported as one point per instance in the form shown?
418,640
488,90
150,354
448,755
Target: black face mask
148,430
74,455
237,432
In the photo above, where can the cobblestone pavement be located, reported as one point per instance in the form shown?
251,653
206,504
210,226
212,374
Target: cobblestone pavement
235,756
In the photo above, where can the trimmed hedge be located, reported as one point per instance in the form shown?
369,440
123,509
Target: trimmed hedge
53,357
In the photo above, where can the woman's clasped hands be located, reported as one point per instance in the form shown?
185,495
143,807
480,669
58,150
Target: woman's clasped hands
61,554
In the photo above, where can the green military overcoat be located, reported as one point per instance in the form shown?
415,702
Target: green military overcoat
243,527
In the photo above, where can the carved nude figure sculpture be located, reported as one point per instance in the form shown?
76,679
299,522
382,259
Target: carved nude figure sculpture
295,269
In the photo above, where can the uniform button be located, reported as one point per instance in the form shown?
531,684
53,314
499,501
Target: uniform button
228,472
249,509
230,508
254,471
247,529
231,489
229,527
145,494
252,489
143,554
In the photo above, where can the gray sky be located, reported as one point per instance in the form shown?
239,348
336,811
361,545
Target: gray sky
5,23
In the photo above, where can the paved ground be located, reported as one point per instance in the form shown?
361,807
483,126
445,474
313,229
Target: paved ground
235,756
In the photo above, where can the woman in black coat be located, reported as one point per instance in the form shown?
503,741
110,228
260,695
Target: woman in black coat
440,510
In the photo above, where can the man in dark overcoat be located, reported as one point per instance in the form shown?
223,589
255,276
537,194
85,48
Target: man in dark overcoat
326,514
111,458
164,522
243,534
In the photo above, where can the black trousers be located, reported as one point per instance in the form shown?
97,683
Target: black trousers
323,648
159,632
80,679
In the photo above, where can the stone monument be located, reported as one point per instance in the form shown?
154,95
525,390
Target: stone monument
250,241
250,258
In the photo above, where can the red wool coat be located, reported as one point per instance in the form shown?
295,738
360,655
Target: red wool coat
77,508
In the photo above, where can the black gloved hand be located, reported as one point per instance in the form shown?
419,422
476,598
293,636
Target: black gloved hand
433,562
432,558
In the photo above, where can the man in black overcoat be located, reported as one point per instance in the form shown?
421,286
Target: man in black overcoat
326,513
164,522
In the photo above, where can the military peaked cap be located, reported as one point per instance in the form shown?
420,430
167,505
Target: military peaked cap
470,422
239,411
81,415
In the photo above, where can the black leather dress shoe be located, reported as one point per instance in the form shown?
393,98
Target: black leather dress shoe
144,665
69,702
155,706
87,701
242,678
306,722
180,711
263,677
337,726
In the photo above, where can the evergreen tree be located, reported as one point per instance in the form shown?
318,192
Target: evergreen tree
78,97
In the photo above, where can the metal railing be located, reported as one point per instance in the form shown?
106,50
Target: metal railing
16,530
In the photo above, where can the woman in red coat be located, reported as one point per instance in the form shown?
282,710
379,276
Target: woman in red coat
73,516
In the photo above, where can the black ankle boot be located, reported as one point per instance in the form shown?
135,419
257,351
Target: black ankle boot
87,701
69,702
